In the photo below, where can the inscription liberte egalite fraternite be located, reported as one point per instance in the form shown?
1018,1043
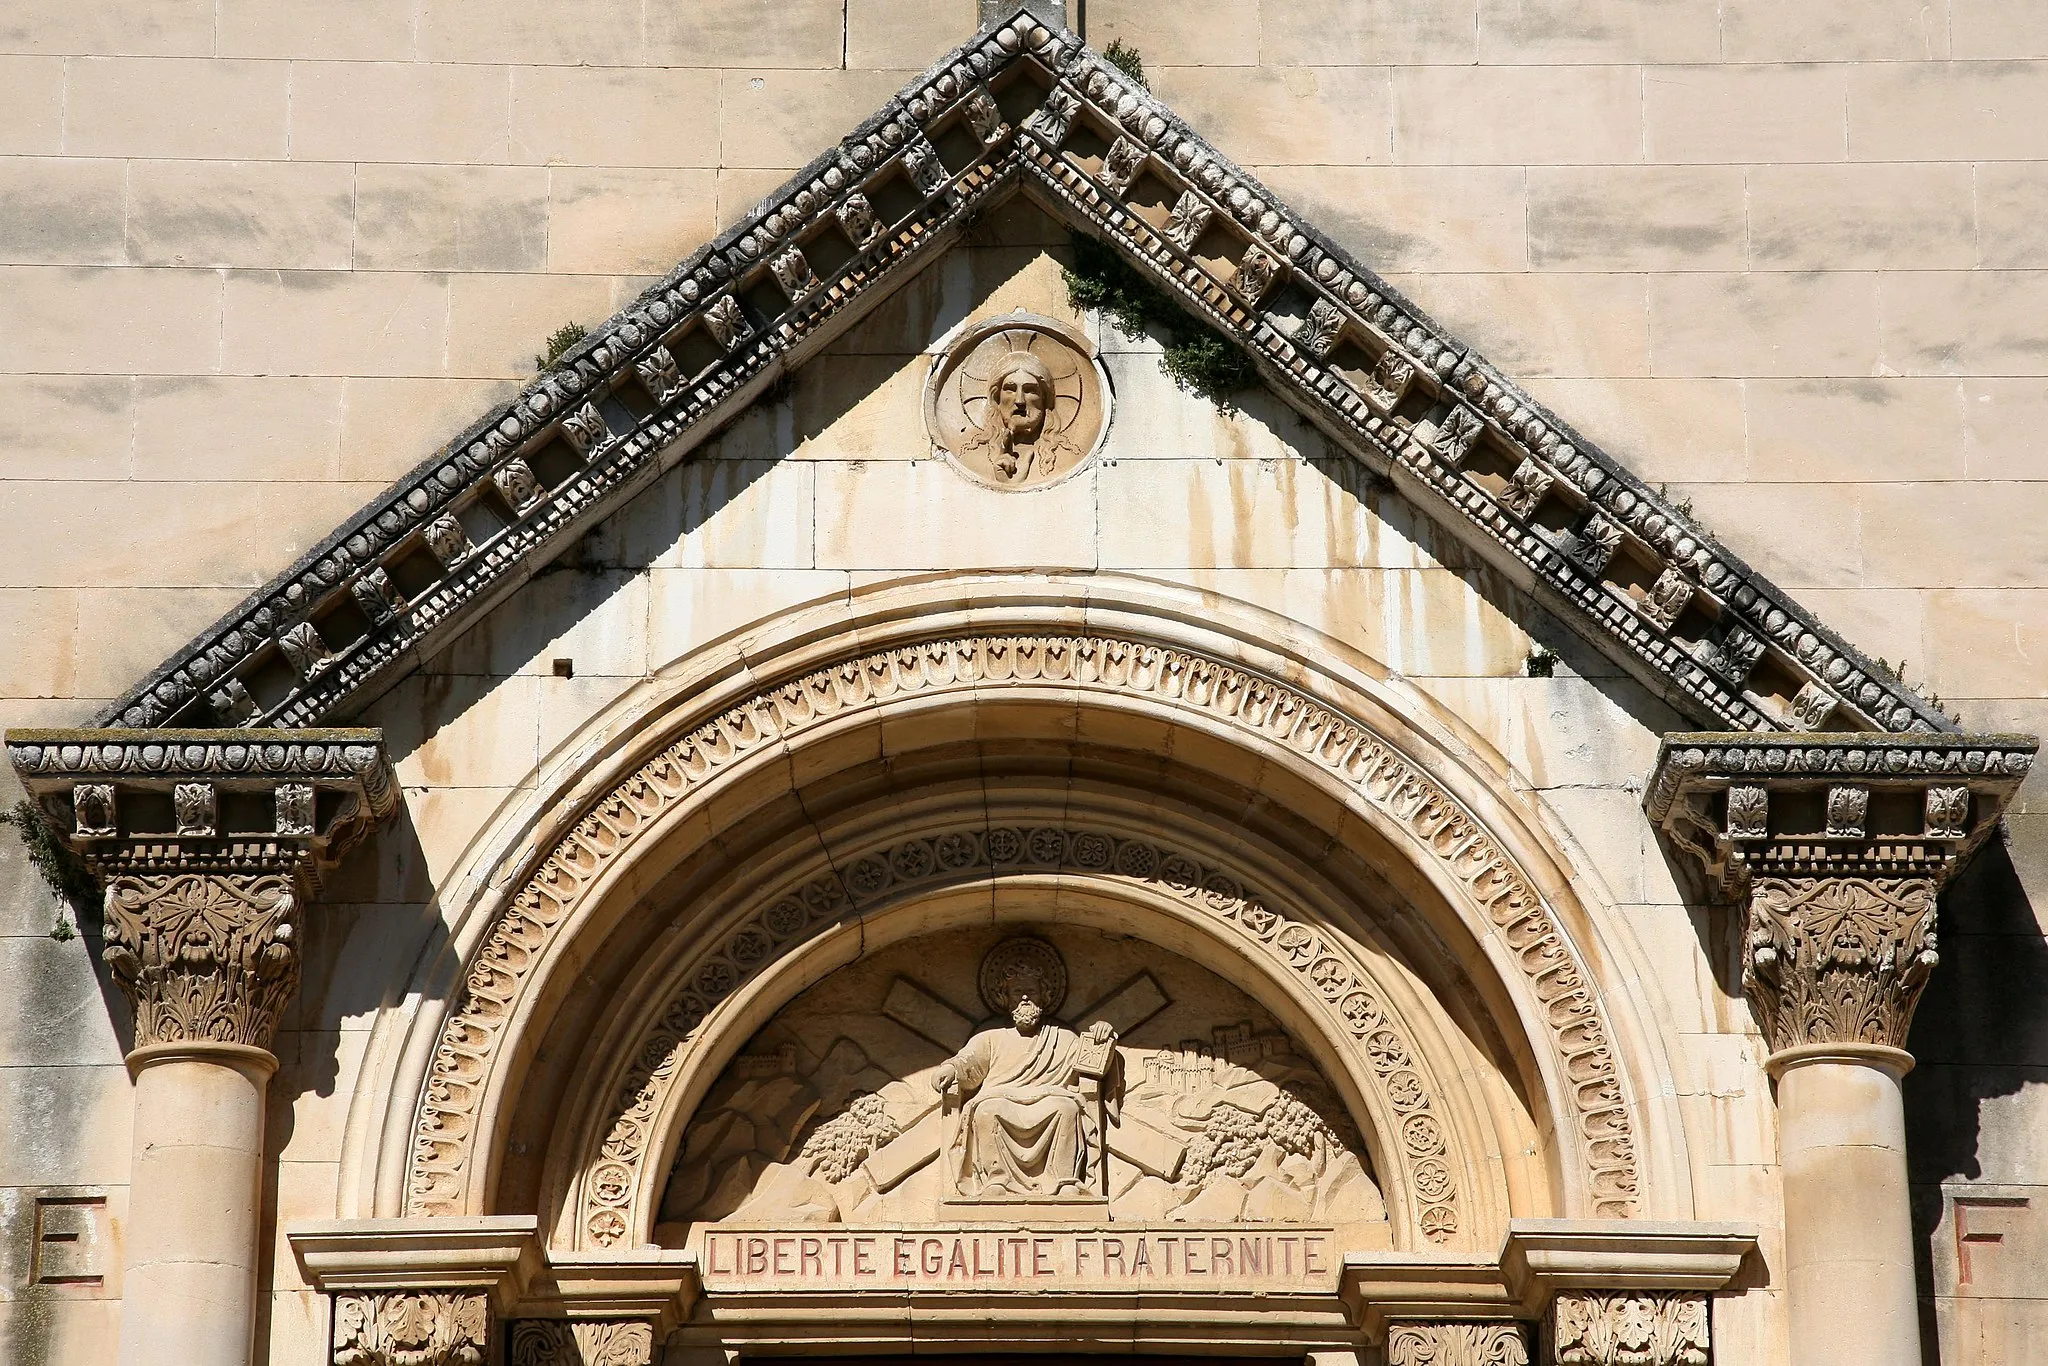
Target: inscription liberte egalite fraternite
1094,1258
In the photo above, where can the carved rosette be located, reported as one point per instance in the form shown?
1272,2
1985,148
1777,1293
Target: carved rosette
1838,960
1628,1328
553,1342
1457,1344
204,957
412,1328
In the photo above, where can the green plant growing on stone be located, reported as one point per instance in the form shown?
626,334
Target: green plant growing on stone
558,344
1681,506
65,875
1195,357
1125,58
1541,663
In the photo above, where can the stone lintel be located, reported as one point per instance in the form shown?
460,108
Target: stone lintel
496,1255
171,801
1539,1259
1833,804
1544,1257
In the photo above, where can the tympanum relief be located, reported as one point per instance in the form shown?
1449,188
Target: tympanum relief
1050,1075
1017,401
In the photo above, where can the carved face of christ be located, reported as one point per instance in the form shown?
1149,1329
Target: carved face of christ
1022,394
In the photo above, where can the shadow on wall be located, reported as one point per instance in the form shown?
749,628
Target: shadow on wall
1980,1037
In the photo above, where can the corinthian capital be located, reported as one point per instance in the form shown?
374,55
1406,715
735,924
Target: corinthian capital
204,957
412,1328
1830,960
209,845
1628,1328
1837,846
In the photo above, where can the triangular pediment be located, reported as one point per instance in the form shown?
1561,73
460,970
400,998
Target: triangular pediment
1023,108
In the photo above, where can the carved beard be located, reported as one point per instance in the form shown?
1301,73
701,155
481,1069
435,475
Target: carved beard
1026,1016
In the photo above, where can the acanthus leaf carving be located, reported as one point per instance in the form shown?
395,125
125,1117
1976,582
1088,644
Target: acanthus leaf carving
1832,960
1457,1344
792,270
412,1328
1258,270
516,481
1121,164
660,374
1527,487
599,1342
1322,328
447,540
204,957
921,163
377,595
585,429
1591,544
984,118
1188,221
1628,1328
1812,706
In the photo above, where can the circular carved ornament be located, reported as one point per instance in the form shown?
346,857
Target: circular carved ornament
1017,402
1017,966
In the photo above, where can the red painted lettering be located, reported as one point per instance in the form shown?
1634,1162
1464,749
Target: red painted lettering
1040,1265
904,1248
1113,1252
757,1256
1287,1254
810,1260
1166,1246
957,1263
1248,1250
862,1254
1141,1260
934,1254
1311,1250
1219,1255
979,1269
1081,1254
1189,1251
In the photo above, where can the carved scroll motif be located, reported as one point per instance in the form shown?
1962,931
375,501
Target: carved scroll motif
204,957
553,1342
527,925
1838,959
1640,1328
411,1328
1457,1344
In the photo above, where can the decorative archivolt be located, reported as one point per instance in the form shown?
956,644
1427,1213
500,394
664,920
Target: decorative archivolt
444,1159
617,1182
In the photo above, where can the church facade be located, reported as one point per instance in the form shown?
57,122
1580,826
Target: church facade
1025,754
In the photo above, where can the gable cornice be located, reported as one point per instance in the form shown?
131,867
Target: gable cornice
1022,106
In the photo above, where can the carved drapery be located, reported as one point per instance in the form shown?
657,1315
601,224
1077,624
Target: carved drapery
609,1342
1838,960
1628,1328
1457,1344
204,957
1438,825
412,1328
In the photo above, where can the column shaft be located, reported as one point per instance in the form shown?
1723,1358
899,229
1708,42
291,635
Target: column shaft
1848,1225
195,1199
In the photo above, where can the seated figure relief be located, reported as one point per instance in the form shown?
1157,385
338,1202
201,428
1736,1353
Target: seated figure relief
1029,1090
874,1098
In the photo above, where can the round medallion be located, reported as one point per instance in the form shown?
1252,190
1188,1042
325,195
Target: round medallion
1021,966
1017,402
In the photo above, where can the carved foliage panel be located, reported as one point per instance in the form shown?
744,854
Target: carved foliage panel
412,1328
1838,959
1628,1328
1457,1344
210,957
442,1159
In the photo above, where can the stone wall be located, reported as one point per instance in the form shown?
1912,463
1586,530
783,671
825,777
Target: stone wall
258,259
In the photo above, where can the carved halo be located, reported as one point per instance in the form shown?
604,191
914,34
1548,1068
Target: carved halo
1006,966
960,411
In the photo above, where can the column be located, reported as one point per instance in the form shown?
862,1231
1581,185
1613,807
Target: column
1833,967
209,848
1836,848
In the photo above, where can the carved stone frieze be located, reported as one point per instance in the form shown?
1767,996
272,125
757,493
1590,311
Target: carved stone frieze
1628,1328
412,1328
658,372
205,682
304,650
1321,330
793,272
516,482
1457,1344
530,919
601,1342
1667,598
